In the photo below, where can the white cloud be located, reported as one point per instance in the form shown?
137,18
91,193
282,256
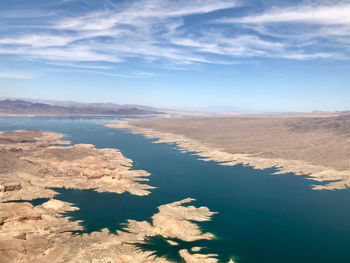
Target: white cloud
74,53
169,8
306,56
38,40
77,65
130,31
327,15
244,46
142,12
134,75
156,32
315,27
25,13
217,43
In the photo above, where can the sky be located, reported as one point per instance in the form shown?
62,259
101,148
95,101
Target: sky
263,55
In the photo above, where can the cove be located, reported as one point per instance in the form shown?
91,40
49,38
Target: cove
261,217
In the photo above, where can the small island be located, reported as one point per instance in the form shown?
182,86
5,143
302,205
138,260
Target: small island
34,161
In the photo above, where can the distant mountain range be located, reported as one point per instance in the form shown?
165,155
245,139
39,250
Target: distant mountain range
26,107
19,106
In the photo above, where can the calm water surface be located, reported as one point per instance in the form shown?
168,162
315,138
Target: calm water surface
262,217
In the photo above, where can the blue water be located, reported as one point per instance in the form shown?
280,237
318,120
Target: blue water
262,217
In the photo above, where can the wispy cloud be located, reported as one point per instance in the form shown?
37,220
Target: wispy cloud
76,65
74,53
218,43
25,13
314,26
133,75
157,32
144,11
113,34
38,40
15,75
328,15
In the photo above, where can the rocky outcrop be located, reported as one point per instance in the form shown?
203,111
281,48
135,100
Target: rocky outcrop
197,258
174,221
42,234
10,186
17,213
40,164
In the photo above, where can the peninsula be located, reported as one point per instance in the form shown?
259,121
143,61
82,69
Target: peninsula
34,161
314,144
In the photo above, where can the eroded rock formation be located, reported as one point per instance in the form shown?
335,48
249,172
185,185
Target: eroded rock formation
37,164
31,162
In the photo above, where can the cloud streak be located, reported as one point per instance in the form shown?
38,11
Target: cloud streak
15,75
157,32
326,15
133,75
38,40
26,13
308,26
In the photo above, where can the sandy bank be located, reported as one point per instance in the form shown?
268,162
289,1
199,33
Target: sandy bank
320,149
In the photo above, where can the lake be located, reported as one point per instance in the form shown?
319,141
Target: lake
261,217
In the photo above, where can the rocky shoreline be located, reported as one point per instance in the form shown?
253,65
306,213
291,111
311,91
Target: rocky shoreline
31,163
335,179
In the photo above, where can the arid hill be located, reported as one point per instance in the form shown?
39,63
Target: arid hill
21,107
313,144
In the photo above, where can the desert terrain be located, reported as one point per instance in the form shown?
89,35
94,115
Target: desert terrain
314,144
31,162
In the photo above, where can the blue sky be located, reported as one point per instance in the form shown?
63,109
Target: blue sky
259,55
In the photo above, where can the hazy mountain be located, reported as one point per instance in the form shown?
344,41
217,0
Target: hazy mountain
20,107
104,105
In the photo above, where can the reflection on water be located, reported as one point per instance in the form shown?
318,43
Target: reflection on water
262,217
